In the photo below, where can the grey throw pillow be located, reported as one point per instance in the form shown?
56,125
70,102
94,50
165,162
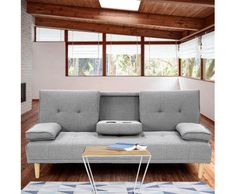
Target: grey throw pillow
114,127
43,132
193,132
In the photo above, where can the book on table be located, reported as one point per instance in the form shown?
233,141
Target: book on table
126,146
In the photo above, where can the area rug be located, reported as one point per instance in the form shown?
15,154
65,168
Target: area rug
117,188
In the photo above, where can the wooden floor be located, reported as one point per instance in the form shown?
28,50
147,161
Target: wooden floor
109,172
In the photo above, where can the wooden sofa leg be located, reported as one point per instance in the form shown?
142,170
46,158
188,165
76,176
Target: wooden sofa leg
200,170
37,170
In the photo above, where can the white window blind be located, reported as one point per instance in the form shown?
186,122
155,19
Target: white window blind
123,49
189,49
48,34
118,37
207,49
157,39
161,51
84,51
84,36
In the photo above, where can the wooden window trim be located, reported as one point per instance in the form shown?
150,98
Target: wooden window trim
104,54
179,67
142,55
66,53
202,68
35,34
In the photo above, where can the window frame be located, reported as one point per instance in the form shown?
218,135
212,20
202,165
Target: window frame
104,43
146,43
67,61
124,43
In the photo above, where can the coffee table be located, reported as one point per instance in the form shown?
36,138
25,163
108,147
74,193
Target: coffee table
104,152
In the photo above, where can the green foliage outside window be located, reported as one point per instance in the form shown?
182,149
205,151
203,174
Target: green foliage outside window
191,68
123,65
161,67
84,67
209,69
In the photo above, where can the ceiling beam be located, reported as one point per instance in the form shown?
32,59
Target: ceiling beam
198,33
210,20
203,3
105,28
119,17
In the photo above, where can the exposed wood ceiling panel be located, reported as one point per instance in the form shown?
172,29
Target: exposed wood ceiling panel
204,3
173,19
176,9
108,16
106,28
80,3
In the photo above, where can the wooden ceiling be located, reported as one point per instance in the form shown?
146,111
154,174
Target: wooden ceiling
174,19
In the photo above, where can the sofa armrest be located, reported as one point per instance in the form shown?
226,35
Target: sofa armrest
43,132
193,132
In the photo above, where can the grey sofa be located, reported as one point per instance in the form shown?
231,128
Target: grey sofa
73,116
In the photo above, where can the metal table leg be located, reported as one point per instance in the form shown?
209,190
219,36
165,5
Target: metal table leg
142,181
138,171
89,173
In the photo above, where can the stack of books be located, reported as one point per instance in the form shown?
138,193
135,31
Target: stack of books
126,146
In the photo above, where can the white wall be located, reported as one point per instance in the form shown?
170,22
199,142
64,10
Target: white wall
26,55
207,96
49,73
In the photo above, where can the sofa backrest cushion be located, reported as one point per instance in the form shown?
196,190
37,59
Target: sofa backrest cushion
163,110
119,106
73,110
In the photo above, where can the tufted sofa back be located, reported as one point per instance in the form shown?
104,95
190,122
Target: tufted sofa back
73,110
80,110
163,110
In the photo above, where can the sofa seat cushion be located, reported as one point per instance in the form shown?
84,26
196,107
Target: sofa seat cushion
115,127
43,131
193,132
166,147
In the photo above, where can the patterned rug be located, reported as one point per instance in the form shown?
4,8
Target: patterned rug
116,188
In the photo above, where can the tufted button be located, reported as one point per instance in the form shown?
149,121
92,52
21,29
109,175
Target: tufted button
179,110
58,110
159,110
78,111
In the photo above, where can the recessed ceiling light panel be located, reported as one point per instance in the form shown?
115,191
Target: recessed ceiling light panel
121,4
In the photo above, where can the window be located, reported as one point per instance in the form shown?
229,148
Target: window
84,36
84,60
161,60
100,54
123,60
189,54
190,67
207,54
48,34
